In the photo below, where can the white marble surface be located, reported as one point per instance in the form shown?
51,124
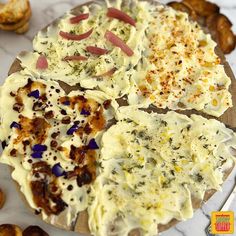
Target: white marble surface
14,211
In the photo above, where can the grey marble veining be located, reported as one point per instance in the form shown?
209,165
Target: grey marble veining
15,210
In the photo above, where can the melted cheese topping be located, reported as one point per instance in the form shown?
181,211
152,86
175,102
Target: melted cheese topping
46,120
185,72
88,72
174,64
160,162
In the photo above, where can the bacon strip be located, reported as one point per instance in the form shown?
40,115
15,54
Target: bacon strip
115,40
75,58
120,15
77,19
96,50
42,63
76,37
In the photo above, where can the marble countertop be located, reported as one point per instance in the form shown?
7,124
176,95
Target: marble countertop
14,210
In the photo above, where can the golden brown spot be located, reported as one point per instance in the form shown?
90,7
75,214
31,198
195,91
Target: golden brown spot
220,87
202,43
149,79
66,120
24,91
144,90
34,231
36,128
55,134
53,144
97,121
87,129
86,161
46,193
107,104
49,115
2,198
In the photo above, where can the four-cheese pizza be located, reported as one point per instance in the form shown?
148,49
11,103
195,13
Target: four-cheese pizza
76,148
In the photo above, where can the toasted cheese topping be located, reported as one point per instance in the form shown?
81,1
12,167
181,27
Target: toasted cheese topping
182,70
52,142
170,61
158,164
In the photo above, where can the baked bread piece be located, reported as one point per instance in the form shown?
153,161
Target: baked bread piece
2,198
164,59
23,29
208,14
19,24
13,11
9,230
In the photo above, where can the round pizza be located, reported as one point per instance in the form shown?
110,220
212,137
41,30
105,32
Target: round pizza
81,126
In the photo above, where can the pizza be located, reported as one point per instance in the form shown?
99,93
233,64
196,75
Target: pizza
86,149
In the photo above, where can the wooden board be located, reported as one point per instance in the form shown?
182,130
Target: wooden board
229,118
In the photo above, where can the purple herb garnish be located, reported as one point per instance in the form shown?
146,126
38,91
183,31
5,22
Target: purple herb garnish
37,155
92,144
72,129
57,170
39,148
66,103
85,112
15,125
34,94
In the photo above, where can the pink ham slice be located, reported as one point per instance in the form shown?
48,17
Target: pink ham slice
75,58
96,50
115,40
107,74
42,63
75,37
120,15
77,19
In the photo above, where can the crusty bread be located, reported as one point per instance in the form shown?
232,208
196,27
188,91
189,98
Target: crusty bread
13,11
10,230
229,118
23,29
19,24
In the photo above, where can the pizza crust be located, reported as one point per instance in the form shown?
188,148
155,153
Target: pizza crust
229,118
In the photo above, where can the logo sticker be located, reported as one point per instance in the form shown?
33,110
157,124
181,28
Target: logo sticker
222,222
